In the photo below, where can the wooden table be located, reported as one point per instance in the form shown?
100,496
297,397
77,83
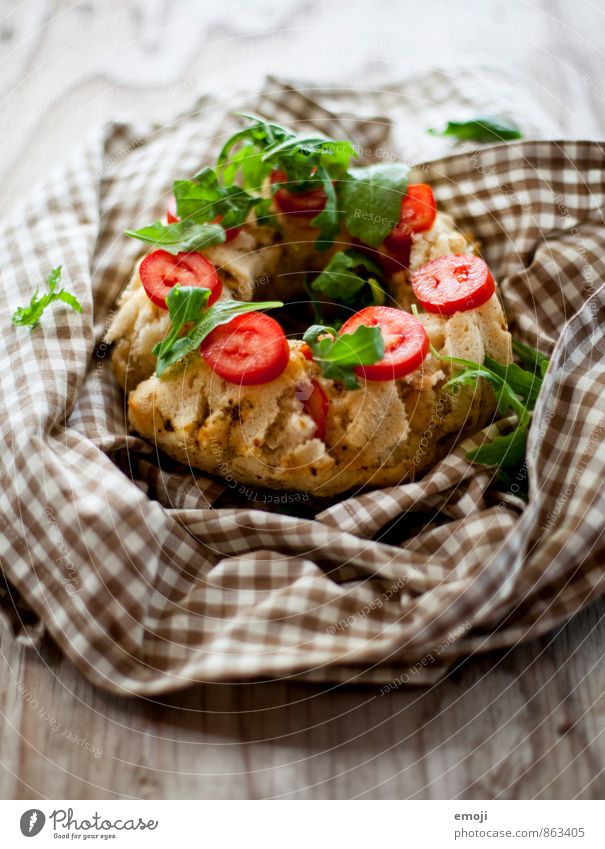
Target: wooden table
527,723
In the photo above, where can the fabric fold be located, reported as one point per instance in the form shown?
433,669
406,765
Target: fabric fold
151,576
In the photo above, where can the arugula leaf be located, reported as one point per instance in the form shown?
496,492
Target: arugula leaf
328,219
524,383
202,200
252,153
481,129
189,305
516,390
264,213
247,161
531,358
184,305
371,200
338,355
514,479
30,316
504,451
506,397
303,154
255,138
341,282
307,160
181,236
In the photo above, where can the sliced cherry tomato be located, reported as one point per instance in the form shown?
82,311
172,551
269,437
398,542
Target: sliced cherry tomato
230,232
317,406
160,271
306,204
418,213
397,260
172,218
251,349
406,343
453,283
306,351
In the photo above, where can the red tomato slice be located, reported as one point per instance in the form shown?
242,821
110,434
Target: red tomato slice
251,349
160,271
317,406
453,283
418,213
396,260
406,343
306,204
172,218
230,232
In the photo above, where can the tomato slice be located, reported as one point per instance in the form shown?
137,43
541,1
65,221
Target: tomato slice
230,232
406,342
160,271
172,218
171,215
396,260
251,349
306,204
453,283
317,406
418,213
307,352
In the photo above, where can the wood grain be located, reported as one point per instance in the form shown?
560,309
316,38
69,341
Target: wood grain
521,724
526,723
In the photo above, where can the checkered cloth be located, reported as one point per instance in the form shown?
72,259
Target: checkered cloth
150,576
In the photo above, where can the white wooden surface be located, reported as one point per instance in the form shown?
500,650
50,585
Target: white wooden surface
522,724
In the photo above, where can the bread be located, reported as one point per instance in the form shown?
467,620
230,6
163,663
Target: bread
378,435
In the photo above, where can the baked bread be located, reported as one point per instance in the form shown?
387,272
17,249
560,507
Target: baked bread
382,433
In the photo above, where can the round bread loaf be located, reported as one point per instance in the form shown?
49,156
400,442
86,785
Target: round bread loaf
381,434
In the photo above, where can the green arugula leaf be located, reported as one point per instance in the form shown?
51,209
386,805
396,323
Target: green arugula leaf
264,213
481,129
328,219
307,161
30,316
531,358
202,200
185,304
506,397
371,200
245,161
303,154
504,451
188,305
241,157
524,383
182,236
514,479
251,154
339,354
312,333
516,390
195,199
341,282
255,138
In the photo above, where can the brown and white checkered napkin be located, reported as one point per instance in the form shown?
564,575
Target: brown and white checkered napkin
151,577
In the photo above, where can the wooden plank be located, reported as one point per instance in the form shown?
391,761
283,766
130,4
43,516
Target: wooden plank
520,724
